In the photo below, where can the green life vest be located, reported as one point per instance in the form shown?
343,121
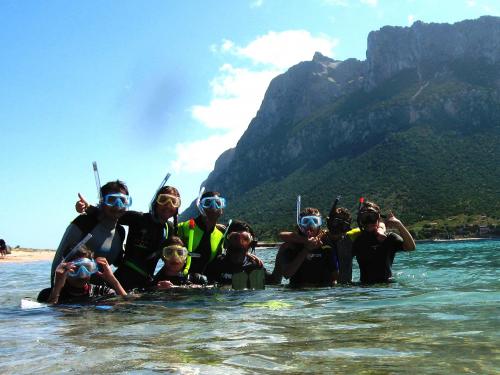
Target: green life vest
215,241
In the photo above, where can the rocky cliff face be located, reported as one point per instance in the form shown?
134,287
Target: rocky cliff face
324,113
423,46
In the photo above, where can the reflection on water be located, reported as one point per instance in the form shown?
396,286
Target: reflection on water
440,317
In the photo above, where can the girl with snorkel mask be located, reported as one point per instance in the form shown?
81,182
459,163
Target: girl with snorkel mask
72,279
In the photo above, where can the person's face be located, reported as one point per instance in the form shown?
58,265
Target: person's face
77,282
166,206
175,264
238,244
114,212
213,213
338,226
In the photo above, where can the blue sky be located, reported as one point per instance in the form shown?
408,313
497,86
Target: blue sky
147,87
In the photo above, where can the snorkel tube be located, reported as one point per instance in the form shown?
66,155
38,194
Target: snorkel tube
190,246
97,181
163,183
298,210
334,206
77,247
202,211
225,233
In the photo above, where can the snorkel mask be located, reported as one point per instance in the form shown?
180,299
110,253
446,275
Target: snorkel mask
119,200
174,251
213,202
309,221
84,268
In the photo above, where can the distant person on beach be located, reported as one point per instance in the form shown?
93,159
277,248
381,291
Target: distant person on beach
206,235
310,263
72,279
236,267
147,231
171,275
374,248
3,248
107,236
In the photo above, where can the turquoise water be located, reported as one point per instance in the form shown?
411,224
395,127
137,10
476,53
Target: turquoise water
441,317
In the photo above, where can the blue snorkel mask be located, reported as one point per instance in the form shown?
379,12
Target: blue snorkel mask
215,203
85,267
117,200
310,222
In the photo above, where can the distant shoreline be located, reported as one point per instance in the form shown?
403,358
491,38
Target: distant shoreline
25,255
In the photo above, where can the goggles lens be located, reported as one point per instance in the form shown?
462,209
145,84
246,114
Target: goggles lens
172,200
215,203
118,200
369,217
310,221
84,267
174,251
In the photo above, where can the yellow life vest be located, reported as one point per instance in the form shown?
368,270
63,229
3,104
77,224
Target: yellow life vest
215,241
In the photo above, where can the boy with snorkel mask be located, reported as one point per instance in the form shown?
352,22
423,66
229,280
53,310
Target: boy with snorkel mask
174,255
310,263
102,223
202,234
72,279
374,249
237,267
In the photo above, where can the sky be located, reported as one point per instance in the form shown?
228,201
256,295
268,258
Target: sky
149,87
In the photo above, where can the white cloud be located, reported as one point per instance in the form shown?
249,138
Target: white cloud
256,3
372,3
411,19
471,3
284,49
237,91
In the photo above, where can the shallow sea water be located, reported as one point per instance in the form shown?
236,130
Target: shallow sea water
441,317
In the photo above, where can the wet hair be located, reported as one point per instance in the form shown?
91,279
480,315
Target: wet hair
82,252
173,191
173,240
210,194
309,211
113,187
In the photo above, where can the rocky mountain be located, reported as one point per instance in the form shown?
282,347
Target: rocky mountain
415,127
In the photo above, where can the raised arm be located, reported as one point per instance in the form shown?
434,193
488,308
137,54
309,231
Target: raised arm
394,223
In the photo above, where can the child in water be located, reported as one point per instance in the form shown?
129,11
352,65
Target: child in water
72,275
174,255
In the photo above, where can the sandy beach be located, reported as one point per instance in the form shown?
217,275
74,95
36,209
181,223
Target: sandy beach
22,255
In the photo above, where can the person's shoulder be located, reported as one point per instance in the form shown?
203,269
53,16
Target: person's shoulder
394,238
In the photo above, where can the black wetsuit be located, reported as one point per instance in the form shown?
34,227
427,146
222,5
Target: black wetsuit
179,279
375,258
145,236
222,269
70,294
317,269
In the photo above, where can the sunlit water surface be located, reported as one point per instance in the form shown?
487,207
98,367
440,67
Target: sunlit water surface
441,317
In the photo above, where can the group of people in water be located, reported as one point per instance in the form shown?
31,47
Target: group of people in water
200,252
